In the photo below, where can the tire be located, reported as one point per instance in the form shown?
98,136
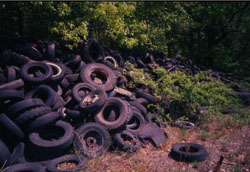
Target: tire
72,77
84,87
147,96
11,94
32,114
152,118
50,51
122,110
111,60
44,120
92,140
44,92
65,84
127,141
185,124
11,73
93,51
58,72
11,127
4,155
12,85
17,155
2,79
99,69
140,107
143,101
30,167
24,72
178,152
135,124
80,160
48,147
21,106
93,106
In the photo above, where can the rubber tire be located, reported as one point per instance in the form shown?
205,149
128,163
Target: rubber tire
22,167
51,96
17,155
147,96
11,127
109,74
4,154
12,85
136,117
32,114
24,105
97,105
78,87
121,143
124,110
179,155
42,79
51,148
52,165
58,76
44,120
11,94
185,124
81,146
140,107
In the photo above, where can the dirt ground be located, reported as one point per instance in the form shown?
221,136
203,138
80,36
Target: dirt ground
219,138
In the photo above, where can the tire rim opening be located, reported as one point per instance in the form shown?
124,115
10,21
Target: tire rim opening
111,113
99,77
93,139
189,149
66,165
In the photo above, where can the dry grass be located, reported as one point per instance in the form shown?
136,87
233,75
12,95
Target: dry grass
219,139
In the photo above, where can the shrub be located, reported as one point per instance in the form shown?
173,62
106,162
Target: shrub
181,95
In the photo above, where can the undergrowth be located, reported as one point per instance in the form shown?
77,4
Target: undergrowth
183,96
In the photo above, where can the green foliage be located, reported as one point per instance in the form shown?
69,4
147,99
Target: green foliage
184,94
214,34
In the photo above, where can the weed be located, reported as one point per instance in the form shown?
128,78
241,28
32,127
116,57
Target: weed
182,95
196,164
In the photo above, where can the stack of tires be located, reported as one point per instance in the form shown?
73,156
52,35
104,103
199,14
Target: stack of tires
52,102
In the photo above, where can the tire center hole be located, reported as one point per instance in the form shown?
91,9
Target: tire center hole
66,165
128,139
93,139
189,149
51,133
36,71
134,120
111,113
99,77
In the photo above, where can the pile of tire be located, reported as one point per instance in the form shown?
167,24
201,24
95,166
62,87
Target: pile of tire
57,106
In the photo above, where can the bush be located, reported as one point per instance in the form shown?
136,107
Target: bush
181,95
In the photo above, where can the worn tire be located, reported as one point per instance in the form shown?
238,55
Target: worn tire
95,106
48,148
24,72
122,113
4,154
44,120
30,167
127,141
11,127
92,133
80,160
103,71
84,87
197,152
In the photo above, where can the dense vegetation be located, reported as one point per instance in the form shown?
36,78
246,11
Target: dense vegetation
209,33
